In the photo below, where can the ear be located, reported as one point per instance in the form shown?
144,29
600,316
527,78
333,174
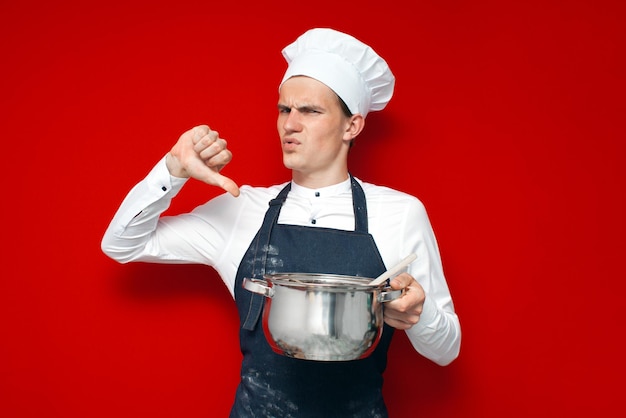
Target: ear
356,124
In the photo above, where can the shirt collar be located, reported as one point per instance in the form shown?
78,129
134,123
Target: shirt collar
328,191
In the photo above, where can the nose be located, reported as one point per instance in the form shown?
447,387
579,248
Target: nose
291,121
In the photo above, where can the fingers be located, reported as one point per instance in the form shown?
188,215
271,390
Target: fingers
200,131
210,147
401,313
213,152
405,311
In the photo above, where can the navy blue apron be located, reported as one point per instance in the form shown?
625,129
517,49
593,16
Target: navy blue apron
273,385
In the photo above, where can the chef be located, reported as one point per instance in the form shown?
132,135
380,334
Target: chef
324,220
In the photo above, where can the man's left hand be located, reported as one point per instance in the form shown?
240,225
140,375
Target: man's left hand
404,312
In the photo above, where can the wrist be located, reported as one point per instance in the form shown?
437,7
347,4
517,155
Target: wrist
175,167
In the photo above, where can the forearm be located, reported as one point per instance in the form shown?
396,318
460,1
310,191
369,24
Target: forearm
134,223
437,335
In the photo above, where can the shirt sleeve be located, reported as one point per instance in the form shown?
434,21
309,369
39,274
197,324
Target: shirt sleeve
216,233
437,335
135,221
138,232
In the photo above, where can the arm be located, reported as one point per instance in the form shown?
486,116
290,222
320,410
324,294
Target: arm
426,310
137,231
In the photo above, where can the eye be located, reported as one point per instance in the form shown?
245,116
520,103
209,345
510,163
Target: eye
283,109
309,110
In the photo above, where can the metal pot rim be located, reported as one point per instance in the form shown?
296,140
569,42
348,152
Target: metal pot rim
322,281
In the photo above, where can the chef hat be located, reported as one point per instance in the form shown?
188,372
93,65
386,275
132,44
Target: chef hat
349,67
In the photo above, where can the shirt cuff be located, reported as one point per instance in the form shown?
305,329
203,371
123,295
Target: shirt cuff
160,179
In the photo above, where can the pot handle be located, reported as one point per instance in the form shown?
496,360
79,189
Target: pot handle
258,286
388,294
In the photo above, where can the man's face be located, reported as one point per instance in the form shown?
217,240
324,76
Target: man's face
313,129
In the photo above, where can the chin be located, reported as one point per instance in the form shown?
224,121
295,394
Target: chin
289,162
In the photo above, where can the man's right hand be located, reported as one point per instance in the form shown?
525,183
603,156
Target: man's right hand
200,154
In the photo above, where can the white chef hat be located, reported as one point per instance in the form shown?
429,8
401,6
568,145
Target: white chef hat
350,68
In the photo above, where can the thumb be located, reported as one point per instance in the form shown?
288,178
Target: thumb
198,170
216,179
401,281
227,184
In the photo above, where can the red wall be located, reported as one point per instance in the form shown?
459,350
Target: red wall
508,123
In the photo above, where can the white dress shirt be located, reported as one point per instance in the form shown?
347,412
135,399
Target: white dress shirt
218,233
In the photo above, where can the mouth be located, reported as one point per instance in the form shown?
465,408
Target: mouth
290,143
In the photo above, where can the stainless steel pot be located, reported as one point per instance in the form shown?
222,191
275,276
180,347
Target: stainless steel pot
322,317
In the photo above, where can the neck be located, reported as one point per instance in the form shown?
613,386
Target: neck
319,180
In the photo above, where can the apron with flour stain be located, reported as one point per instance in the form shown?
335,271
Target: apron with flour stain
273,385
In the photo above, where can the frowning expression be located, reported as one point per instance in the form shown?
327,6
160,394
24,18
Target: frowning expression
314,131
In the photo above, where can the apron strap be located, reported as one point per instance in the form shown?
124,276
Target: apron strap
262,247
360,206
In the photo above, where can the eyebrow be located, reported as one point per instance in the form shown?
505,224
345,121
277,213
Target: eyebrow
302,108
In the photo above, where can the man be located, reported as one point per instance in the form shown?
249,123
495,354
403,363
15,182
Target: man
332,81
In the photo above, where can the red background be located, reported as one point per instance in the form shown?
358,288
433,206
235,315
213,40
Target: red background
507,122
